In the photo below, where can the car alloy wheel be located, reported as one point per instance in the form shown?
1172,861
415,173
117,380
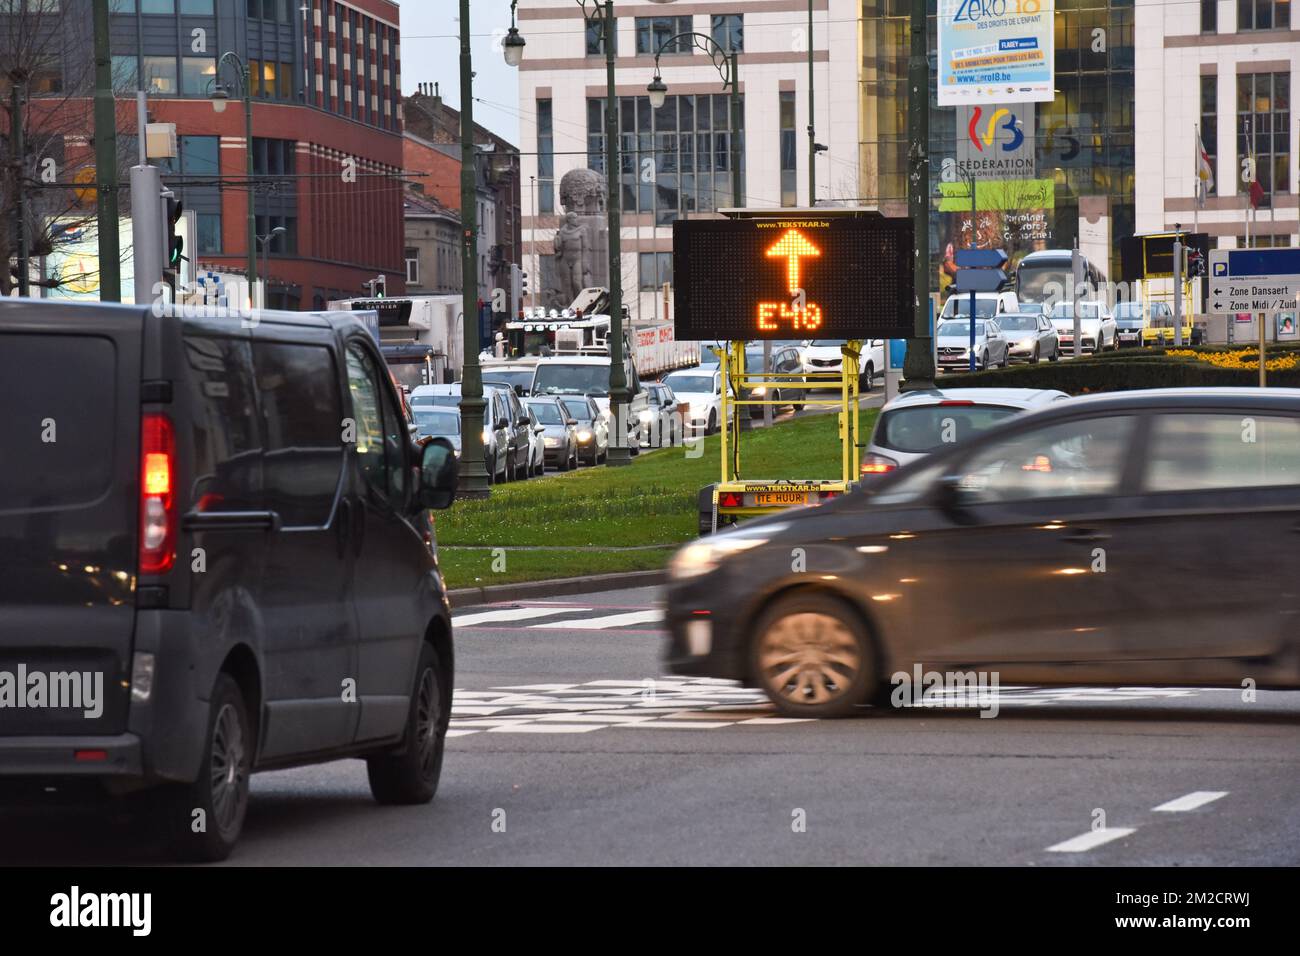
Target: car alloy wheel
811,659
228,769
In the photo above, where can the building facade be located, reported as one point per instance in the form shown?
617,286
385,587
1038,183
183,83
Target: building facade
324,77
676,159
433,251
1228,71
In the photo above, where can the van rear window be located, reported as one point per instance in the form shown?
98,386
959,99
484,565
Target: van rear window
58,397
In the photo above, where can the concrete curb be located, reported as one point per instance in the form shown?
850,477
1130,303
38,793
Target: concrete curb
467,597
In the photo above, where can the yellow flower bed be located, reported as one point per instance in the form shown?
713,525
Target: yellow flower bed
1242,359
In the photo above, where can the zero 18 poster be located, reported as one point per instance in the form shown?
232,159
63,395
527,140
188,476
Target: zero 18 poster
995,51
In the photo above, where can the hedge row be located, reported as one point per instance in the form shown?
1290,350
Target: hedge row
1125,370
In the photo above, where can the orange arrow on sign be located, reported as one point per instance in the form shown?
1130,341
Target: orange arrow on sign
793,246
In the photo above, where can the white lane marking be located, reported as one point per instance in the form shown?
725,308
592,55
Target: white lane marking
548,728
598,623
1190,802
680,724
511,614
460,733
1093,838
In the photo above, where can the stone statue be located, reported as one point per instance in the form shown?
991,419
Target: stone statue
582,241
572,259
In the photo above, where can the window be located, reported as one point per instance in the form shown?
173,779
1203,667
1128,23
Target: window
266,87
285,243
197,7
227,448
653,32
728,31
302,423
285,88
545,159
381,435
1264,128
1263,14
209,229
199,155
656,268
197,74
789,190
160,75
1228,451
1070,459
413,266
157,6
596,36
125,78
1210,125
1209,16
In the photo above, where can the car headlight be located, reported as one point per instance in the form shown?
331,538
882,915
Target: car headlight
552,442
584,435
760,391
487,436
703,556
1025,343
646,417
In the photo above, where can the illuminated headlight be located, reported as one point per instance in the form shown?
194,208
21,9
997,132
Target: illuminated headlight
646,417
487,436
759,391
456,452
584,435
703,556
552,443
1025,344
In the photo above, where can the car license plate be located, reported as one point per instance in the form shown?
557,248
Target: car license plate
781,498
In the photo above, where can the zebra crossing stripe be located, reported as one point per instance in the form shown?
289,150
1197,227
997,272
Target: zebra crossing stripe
599,623
504,614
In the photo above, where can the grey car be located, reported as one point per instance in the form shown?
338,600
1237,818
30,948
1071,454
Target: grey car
591,431
1086,543
1030,336
952,344
559,432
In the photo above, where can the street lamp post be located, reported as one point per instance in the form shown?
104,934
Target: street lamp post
473,469
265,242
220,94
918,364
513,45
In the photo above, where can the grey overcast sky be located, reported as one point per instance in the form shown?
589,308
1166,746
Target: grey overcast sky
431,54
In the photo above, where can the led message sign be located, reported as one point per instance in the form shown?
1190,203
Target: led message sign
793,277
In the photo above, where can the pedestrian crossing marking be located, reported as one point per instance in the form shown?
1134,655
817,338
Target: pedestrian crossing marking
506,614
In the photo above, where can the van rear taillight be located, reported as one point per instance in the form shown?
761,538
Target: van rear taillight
157,493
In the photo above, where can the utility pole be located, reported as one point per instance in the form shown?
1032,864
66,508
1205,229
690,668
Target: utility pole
19,164
1178,286
110,252
918,364
812,135
618,453
473,470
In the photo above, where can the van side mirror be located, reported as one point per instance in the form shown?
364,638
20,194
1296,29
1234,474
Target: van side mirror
952,499
438,475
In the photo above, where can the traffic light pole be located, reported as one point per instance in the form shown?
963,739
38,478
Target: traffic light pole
918,364
618,453
110,253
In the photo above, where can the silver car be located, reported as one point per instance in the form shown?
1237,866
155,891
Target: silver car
952,343
1030,336
918,423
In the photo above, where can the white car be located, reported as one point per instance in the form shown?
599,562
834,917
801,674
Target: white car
824,355
918,423
952,344
1097,328
701,388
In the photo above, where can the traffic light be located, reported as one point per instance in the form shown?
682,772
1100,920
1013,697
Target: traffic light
173,244
381,286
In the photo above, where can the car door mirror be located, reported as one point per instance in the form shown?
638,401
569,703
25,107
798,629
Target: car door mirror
950,497
570,421
539,429
503,423
438,474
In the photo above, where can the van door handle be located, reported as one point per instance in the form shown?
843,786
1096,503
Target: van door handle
231,521
1085,536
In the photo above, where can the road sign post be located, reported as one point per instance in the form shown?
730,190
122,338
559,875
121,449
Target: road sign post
979,270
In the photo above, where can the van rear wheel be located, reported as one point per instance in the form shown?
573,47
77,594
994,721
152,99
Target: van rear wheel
411,776
202,820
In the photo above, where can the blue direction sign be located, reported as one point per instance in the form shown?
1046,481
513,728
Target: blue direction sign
981,259
979,280
1254,280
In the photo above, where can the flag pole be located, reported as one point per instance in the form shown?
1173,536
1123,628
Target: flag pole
1197,184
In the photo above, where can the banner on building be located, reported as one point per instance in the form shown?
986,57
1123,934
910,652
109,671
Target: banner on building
995,51
995,142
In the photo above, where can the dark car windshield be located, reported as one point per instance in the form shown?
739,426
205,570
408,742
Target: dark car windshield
435,421
548,413
927,428
961,306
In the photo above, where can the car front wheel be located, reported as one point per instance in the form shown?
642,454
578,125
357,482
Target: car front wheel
812,656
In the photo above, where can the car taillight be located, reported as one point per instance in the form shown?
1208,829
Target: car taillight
157,493
729,499
878,465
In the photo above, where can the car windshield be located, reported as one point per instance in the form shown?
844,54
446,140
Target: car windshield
960,328
446,401
828,343
577,409
436,421
1019,323
690,383
1129,310
516,378
548,413
926,428
571,380
984,308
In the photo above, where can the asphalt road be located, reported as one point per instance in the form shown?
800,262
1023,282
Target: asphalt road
570,747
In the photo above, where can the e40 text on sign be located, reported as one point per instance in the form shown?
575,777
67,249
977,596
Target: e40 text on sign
793,277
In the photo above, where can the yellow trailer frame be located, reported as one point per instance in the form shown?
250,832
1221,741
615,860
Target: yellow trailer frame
735,496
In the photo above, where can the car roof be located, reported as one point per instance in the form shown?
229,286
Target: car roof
573,360
442,388
1199,397
1016,397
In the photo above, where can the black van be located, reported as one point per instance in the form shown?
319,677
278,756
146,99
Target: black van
215,558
